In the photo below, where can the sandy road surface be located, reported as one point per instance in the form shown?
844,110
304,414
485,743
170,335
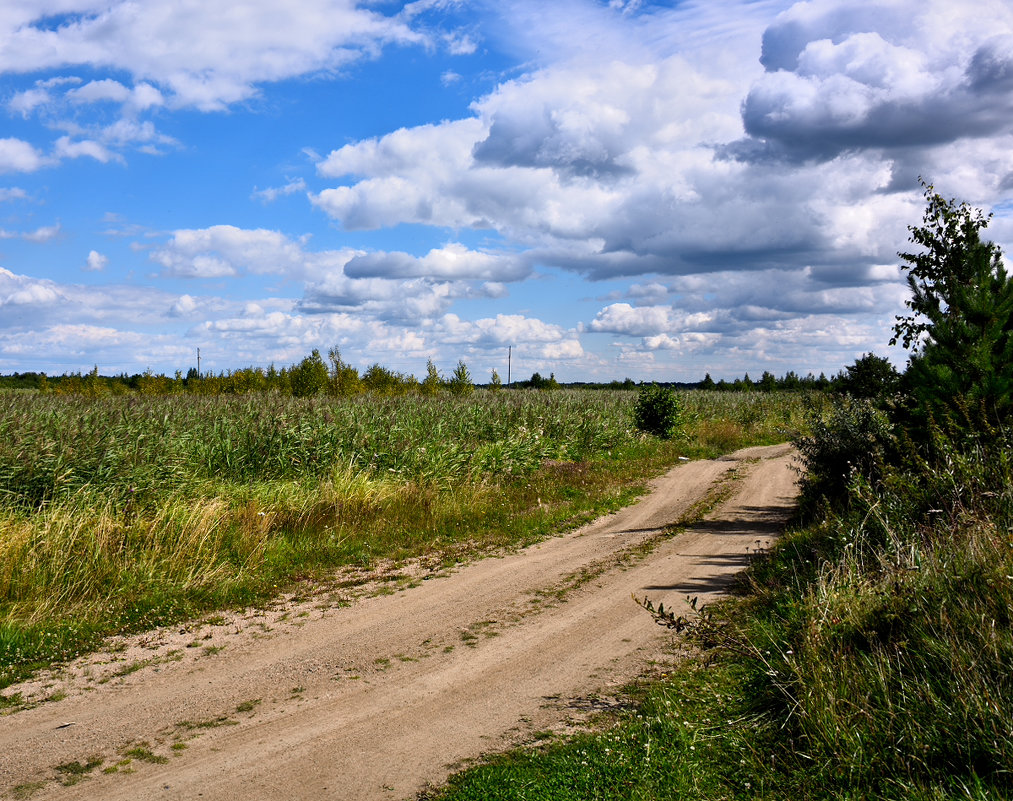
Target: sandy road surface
322,698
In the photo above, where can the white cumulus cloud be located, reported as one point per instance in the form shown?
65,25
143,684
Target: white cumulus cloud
452,261
16,155
96,262
204,53
223,250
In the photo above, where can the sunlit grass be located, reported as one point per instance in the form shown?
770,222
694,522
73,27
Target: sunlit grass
118,513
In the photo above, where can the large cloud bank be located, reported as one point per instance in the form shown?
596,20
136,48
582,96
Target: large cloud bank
729,181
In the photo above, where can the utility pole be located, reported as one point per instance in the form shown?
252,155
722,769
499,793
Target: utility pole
198,362
510,353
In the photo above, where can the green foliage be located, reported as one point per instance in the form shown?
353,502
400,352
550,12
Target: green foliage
309,377
460,382
344,379
870,377
24,381
432,383
961,325
848,440
657,411
537,381
128,451
881,638
384,382
953,258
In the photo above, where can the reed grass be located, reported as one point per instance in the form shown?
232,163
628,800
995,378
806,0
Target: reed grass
122,512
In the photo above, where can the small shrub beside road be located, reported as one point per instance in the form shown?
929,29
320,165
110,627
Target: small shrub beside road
657,411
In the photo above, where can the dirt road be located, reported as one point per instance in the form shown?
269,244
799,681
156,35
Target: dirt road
376,697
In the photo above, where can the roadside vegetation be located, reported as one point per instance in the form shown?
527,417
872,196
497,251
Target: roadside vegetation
124,511
868,655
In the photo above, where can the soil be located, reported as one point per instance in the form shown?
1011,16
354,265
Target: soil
379,686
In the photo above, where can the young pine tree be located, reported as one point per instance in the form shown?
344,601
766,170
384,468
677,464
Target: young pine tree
960,329
432,383
460,382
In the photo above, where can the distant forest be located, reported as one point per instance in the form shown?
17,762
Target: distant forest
316,376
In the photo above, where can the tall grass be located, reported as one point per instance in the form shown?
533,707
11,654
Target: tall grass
128,450
122,511
718,422
890,640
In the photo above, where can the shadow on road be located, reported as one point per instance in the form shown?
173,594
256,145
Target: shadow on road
762,524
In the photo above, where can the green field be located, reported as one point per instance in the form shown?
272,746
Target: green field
868,658
122,512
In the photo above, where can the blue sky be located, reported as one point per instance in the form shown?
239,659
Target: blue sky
624,188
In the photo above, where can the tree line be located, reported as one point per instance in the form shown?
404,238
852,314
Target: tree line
311,376
315,376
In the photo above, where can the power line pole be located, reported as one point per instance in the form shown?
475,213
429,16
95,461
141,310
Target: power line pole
510,353
198,362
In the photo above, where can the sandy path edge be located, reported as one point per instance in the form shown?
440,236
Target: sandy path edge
381,696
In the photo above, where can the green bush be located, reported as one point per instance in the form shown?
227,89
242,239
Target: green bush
850,439
309,377
870,377
657,411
